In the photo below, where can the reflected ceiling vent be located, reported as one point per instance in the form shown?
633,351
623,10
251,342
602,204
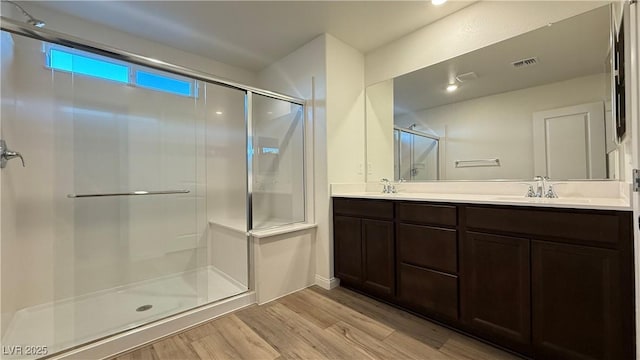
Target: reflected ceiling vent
466,77
525,62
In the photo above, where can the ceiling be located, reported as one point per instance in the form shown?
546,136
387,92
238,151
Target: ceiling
254,34
571,48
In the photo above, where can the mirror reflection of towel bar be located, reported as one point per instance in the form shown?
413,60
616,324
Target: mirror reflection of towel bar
132,193
477,162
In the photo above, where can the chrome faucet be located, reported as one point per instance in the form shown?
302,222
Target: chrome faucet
541,185
544,189
387,186
6,155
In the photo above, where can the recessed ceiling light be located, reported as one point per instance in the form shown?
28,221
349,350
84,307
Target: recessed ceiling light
438,2
269,112
219,112
452,87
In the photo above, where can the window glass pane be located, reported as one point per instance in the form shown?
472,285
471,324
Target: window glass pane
163,83
79,64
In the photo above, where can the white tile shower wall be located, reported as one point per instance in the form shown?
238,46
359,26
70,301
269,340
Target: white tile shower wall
499,126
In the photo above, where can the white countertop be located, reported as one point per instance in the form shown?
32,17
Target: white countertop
599,203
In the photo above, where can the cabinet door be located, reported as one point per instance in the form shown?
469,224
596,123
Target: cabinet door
495,299
378,256
576,302
347,235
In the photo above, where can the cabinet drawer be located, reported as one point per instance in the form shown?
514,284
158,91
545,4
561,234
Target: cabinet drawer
428,247
429,292
381,209
589,227
427,213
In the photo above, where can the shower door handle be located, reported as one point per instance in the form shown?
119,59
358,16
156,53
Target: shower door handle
6,155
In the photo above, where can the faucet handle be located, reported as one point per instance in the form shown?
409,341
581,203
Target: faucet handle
530,192
386,185
551,193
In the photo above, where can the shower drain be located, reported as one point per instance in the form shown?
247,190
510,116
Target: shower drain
144,307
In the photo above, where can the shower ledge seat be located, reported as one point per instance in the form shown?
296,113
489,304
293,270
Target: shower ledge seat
283,257
267,232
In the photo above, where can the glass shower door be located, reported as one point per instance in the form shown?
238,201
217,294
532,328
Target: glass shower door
278,162
107,225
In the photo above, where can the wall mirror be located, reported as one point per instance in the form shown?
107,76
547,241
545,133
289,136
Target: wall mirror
536,104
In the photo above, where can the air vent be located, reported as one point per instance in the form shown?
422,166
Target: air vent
466,77
525,62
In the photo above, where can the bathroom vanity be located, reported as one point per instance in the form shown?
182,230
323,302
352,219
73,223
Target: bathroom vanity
545,282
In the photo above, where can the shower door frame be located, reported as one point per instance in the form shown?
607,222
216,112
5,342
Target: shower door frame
401,130
54,37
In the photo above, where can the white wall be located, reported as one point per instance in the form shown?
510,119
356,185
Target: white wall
336,121
345,136
478,25
379,131
113,37
499,126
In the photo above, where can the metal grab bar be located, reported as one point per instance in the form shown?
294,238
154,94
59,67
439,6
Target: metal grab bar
477,163
132,193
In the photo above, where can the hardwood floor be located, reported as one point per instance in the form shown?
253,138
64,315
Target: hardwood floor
318,324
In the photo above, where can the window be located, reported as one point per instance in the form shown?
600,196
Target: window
80,62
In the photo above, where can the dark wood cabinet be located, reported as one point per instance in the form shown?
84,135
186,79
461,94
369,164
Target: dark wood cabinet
378,257
347,233
495,288
364,246
548,283
576,302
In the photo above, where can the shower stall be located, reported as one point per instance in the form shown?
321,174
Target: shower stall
416,155
140,185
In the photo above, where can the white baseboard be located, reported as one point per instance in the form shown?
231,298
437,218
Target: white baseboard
132,339
327,284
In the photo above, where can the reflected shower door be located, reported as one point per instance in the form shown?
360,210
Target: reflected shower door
424,158
405,153
416,157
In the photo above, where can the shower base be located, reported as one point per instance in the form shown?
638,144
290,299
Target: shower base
71,322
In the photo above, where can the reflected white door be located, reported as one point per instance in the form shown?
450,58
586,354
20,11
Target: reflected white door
569,142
